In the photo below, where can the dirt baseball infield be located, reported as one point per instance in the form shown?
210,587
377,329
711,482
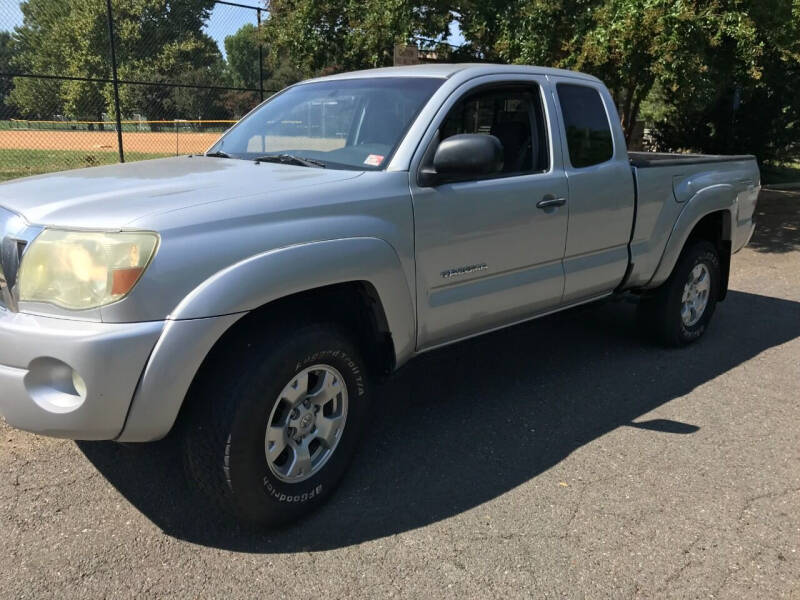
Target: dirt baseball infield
106,141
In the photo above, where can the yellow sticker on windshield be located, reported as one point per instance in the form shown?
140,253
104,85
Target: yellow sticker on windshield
374,160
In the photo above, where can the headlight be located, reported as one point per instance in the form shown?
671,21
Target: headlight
79,270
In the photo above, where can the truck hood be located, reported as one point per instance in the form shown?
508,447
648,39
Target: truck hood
111,197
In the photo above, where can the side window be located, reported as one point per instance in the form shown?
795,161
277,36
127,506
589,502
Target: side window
514,115
588,130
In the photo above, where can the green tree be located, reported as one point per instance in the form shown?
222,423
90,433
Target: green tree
740,93
242,55
690,64
619,40
37,98
280,72
244,66
624,42
191,61
323,36
6,53
156,41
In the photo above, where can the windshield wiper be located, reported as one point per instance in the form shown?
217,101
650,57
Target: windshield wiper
218,154
291,159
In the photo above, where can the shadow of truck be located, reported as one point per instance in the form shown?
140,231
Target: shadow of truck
463,425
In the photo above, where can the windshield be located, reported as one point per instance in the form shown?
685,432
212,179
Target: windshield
346,123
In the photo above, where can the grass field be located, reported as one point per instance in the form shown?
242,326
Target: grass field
106,141
24,162
188,126
31,149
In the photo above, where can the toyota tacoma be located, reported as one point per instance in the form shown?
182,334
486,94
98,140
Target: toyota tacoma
246,299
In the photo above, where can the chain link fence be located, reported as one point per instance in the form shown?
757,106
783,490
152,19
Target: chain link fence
91,82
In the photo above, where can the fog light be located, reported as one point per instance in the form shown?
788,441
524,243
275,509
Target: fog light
79,384
54,385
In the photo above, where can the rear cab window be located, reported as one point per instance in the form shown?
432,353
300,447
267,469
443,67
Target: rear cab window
588,131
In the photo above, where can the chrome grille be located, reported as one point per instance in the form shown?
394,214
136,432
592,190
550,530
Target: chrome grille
15,234
6,218
3,287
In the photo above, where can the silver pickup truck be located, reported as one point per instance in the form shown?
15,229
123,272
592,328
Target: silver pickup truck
247,299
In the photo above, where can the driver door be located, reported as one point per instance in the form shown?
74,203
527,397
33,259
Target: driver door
488,252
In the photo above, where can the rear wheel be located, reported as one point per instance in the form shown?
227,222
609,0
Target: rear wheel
680,310
273,427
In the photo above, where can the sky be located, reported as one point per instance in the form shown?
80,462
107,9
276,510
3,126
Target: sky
224,21
10,16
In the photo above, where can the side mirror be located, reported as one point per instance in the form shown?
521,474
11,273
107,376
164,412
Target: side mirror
464,156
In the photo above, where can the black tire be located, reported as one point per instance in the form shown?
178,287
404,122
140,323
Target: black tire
660,314
229,408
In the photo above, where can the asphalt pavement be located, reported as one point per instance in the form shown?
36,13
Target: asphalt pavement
568,457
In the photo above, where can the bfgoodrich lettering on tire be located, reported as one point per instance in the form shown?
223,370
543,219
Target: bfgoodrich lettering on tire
681,309
272,428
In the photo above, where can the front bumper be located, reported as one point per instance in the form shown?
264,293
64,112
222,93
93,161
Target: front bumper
72,379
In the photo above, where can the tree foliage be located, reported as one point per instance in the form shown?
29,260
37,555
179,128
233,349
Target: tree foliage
738,92
241,50
156,41
687,63
684,60
324,36
6,85
710,75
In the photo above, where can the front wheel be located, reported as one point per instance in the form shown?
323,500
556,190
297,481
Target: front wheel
273,427
680,310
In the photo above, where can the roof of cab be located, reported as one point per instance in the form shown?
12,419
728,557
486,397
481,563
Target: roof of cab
446,70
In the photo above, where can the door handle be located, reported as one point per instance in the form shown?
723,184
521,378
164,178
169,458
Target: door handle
549,202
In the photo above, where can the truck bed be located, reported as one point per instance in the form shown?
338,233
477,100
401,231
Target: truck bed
644,160
663,193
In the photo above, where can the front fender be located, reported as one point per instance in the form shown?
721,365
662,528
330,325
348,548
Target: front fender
256,281
201,319
720,197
